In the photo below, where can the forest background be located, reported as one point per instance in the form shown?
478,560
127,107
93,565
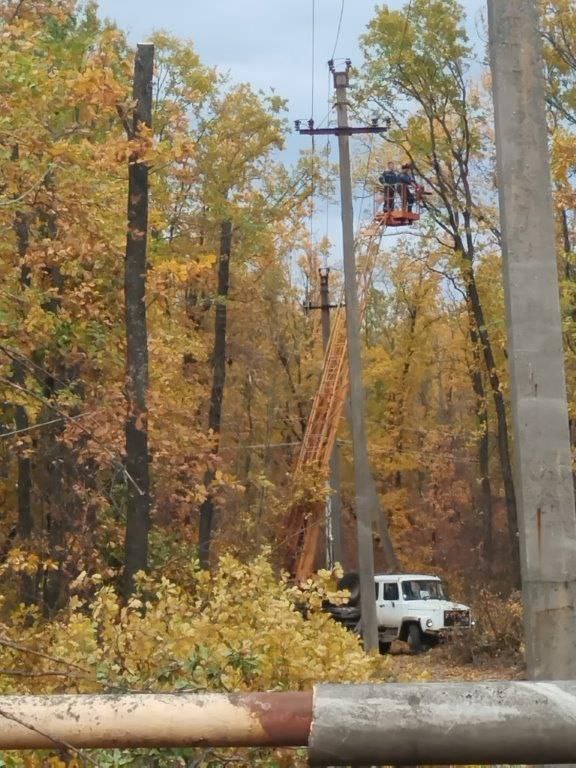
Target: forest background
234,360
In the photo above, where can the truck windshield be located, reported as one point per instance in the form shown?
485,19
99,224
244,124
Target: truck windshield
422,590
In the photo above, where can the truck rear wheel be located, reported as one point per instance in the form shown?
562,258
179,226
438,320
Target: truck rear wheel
415,639
351,582
383,647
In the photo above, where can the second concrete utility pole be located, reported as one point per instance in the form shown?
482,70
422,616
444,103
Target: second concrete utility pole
537,388
363,481
362,476
334,502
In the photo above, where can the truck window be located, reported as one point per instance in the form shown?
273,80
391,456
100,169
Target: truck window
411,590
377,586
390,591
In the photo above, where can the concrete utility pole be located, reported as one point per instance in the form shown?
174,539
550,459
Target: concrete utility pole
334,501
362,475
546,515
363,481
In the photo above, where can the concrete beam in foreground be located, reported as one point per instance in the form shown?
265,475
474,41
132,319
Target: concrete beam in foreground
383,724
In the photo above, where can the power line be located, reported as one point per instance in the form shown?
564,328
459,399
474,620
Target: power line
419,453
44,424
312,99
404,31
338,31
365,182
327,167
18,357
313,56
263,446
313,168
114,459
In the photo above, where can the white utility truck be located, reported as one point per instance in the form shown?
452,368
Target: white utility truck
409,606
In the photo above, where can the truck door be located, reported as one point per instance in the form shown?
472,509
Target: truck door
387,609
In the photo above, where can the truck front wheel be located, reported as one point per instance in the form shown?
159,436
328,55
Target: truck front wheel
415,639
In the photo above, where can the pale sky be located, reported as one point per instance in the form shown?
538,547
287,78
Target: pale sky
269,44
264,42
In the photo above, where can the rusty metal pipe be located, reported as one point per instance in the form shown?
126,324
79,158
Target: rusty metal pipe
408,724
155,720
444,724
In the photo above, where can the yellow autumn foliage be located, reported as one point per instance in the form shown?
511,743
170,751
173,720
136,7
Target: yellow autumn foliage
240,629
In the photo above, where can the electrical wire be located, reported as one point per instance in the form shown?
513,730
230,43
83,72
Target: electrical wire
404,34
18,357
327,152
338,30
365,182
421,453
404,31
313,157
44,424
398,56
115,460
417,452
313,62
327,117
262,446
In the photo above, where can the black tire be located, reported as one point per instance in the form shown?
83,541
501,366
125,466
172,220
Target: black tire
351,582
415,639
383,647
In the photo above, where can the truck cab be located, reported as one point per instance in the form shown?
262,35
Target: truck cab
412,607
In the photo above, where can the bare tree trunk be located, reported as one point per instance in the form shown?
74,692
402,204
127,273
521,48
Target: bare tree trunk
401,411
136,428
49,585
18,375
501,420
466,248
24,524
248,391
56,498
284,359
568,271
217,393
483,446
55,475
24,467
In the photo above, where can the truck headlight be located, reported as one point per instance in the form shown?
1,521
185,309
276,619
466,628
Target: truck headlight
429,623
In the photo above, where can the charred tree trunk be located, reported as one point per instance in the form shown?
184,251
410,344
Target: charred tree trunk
136,428
217,393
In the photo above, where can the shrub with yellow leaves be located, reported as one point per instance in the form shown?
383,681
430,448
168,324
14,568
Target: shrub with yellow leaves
240,629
